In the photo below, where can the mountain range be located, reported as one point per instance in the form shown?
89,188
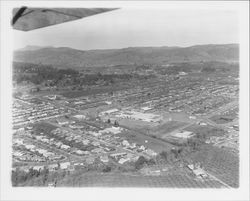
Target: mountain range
64,57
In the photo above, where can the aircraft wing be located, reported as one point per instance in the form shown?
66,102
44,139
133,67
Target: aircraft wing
26,19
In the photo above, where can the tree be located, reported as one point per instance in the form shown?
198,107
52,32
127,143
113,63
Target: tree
116,123
151,162
58,165
106,169
140,162
45,173
14,178
164,155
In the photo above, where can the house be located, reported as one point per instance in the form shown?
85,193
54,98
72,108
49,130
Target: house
85,141
65,147
108,102
29,146
200,173
125,143
96,143
97,150
109,111
118,154
53,167
80,116
58,144
62,121
123,160
146,108
38,167
183,134
104,159
90,160
150,152
64,165
142,147
80,152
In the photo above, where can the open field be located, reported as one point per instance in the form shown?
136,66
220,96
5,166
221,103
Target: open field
128,180
179,116
166,128
152,143
137,124
150,128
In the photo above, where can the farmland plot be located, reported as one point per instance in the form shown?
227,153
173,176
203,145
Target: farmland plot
219,162
130,180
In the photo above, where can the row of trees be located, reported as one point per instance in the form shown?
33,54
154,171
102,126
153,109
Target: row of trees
20,177
38,73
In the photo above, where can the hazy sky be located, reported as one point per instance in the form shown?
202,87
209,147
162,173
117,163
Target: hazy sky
137,27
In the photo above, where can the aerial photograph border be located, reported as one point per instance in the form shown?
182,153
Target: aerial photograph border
122,119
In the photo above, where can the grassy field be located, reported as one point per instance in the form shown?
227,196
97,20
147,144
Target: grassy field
155,144
142,126
166,128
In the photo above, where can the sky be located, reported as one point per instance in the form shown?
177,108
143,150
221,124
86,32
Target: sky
128,27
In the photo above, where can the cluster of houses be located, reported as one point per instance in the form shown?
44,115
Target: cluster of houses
25,151
66,140
27,112
231,140
187,95
110,135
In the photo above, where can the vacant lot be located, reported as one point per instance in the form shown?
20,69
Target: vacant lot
166,128
142,126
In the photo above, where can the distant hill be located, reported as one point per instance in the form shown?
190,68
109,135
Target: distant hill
67,57
33,47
